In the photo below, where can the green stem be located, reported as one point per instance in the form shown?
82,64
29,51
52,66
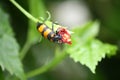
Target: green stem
24,50
27,45
47,67
28,15
24,11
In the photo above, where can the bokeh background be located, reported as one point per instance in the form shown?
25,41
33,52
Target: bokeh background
70,13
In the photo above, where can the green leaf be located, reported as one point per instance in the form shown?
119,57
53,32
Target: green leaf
9,49
37,9
86,49
4,24
9,56
91,53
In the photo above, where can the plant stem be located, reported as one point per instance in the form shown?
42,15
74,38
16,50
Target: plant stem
24,50
27,45
28,15
24,11
47,67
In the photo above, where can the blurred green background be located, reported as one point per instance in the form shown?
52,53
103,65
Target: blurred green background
69,13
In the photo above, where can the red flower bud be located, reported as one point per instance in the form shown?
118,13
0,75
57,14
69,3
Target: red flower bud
64,33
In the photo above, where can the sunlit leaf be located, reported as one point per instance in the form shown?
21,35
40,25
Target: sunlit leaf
9,48
86,49
91,53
